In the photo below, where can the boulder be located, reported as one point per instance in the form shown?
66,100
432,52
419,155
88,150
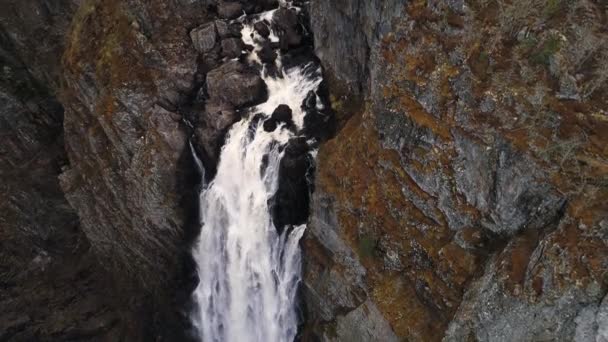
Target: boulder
283,114
270,125
229,9
262,29
267,55
223,29
253,6
291,201
214,123
319,124
232,47
233,83
204,37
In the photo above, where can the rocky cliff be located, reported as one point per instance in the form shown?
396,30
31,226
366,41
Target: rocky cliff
464,197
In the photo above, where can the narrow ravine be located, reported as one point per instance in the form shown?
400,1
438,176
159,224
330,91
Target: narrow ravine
248,264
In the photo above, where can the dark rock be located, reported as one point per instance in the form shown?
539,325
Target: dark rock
331,21
262,29
285,18
290,38
204,37
270,125
229,9
318,124
290,204
257,6
235,29
214,123
233,83
267,54
285,23
223,29
283,114
232,47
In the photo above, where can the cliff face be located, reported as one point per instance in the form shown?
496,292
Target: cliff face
128,69
51,285
464,196
98,184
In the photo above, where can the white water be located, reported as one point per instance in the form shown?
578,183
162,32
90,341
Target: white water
248,273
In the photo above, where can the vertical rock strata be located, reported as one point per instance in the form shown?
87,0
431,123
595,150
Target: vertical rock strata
464,199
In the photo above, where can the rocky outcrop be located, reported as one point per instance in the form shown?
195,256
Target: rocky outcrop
51,284
462,200
130,74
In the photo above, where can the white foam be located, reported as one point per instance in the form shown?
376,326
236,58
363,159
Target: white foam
249,274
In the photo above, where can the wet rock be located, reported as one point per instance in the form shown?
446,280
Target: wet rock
283,114
214,123
267,54
233,83
235,29
290,204
285,18
229,9
286,24
270,125
262,29
232,47
319,124
204,37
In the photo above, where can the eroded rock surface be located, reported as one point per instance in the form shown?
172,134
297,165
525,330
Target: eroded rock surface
463,197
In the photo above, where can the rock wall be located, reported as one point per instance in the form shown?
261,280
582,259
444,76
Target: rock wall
51,285
464,198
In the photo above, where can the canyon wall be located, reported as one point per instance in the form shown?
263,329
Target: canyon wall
463,197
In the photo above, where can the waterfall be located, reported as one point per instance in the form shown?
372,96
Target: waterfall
249,272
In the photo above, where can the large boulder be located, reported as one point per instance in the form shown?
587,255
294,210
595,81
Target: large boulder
229,9
235,84
214,123
232,47
204,37
290,204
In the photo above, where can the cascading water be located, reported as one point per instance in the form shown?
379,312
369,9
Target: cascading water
249,272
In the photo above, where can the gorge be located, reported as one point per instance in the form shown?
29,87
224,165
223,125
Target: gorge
168,175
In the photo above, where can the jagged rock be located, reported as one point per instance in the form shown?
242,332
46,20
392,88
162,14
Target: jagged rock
235,29
214,123
229,9
285,18
267,54
204,37
223,30
476,186
270,125
233,83
232,47
283,114
262,29
257,6
291,201
286,24
319,124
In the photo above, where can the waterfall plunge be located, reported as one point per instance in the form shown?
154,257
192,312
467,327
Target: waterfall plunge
248,273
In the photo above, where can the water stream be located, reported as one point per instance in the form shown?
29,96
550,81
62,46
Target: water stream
249,273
